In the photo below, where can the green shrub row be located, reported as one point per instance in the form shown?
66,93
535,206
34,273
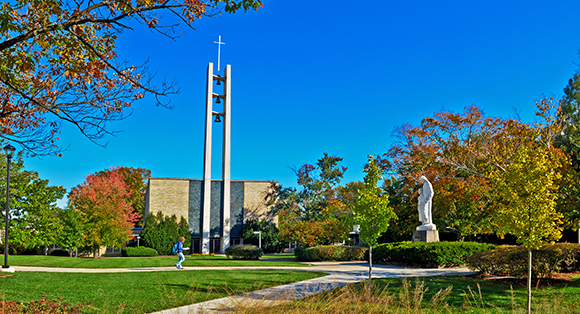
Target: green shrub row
429,254
138,251
244,251
513,260
330,253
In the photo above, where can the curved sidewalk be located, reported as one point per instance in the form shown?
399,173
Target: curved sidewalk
340,274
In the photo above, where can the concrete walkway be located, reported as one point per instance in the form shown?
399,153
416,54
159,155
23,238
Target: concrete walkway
340,274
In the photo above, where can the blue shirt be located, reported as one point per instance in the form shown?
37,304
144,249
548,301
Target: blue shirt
179,247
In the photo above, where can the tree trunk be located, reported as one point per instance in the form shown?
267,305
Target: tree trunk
529,281
370,268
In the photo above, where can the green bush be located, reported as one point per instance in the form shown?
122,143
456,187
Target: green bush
138,251
330,253
429,254
244,251
513,260
161,232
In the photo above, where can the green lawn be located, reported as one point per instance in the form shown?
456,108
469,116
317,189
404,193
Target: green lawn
140,292
136,262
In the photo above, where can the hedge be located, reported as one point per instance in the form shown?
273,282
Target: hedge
513,260
244,251
138,251
427,254
330,253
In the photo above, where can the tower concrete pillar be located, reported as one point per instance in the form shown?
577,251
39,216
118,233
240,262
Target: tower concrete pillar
226,156
205,215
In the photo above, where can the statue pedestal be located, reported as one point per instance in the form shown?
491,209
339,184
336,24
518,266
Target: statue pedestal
426,236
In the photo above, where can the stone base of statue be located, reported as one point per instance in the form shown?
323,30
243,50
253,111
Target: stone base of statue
426,233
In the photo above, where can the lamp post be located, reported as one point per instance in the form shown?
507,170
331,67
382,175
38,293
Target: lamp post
259,233
9,149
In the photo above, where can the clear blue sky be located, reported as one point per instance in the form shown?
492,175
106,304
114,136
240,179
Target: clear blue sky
310,77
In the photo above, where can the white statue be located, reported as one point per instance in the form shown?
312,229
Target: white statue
425,201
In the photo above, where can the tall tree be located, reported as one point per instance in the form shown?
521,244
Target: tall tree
103,203
372,211
310,208
60,63
569,141
73,230
136,181
34,221
569,138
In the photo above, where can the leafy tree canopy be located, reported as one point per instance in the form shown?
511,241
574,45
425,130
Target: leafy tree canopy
136,181
102,203
34,220
60,64
461,152
313,213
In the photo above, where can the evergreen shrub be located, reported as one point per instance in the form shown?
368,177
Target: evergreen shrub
428,254
244,251
161,232
330,253
138,251
512,260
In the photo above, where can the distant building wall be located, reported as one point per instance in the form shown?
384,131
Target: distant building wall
257,196
184,198
169,196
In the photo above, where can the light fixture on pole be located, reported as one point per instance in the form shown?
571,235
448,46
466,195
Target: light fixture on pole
259,233
9,150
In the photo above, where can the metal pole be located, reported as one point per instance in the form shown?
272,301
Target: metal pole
8,157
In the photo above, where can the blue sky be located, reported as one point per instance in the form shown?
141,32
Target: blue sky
310,77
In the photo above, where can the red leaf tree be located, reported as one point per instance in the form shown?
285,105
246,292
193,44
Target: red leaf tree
104,205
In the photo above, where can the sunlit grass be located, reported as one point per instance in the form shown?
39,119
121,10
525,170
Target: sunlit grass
140,292
136,262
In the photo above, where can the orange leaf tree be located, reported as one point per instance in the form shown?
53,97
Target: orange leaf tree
104,207
59,63
459,152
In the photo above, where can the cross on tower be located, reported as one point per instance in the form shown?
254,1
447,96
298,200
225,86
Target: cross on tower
219,42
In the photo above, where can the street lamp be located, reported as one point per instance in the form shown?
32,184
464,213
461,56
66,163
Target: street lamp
259,233
9,150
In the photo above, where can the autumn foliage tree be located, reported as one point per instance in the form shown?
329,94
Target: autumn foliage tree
313,214
60,64
507,172
136,181
433,149
103,204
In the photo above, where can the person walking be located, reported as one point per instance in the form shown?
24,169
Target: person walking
180,242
